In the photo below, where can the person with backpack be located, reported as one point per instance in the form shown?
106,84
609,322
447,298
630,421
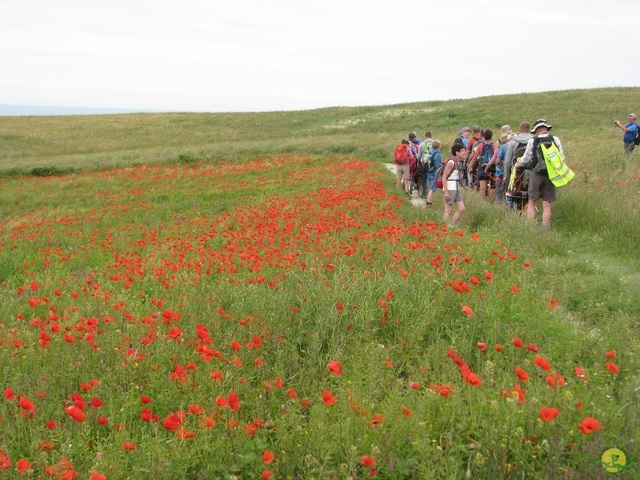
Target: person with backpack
631,136
540,183
497,162
463,137
434,163
403,157
425,162
515,149
482,155
451,185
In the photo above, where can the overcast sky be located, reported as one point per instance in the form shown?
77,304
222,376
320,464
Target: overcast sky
256,55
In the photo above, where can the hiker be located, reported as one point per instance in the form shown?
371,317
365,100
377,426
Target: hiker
497,163
463,137
423,151
470,164
451,184
630,132
510,157
415,143
539,184
430,177
403,170
482,155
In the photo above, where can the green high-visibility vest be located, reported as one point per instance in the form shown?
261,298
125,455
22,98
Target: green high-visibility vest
557,170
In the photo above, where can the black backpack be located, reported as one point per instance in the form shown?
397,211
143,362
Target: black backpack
637,140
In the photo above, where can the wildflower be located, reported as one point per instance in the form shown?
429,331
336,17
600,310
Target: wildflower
553,303
589,425
95,475
23,465
128,446
467,310
517,342
612,368
335,367
25,404
554,380
482,346
144,399
542,363
267,456
367,460
74,412
610,354
415,385
580,373
328,398
548,413
266,475
522,374
8,394
234,401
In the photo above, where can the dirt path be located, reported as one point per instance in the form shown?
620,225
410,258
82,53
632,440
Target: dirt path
415,198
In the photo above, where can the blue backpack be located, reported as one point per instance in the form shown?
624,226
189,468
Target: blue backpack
487,152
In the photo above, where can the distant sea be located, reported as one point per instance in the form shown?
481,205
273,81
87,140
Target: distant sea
33,110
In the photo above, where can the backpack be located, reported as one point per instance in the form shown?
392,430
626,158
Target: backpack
440,172
487,152
457,141
637,140
401,154
427,162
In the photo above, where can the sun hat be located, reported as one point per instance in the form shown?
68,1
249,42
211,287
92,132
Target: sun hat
465,129
540,123
633,115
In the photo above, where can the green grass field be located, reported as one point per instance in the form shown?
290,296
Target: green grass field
206,296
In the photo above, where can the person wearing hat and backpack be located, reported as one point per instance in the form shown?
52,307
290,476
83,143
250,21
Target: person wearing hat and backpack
540,186
630,132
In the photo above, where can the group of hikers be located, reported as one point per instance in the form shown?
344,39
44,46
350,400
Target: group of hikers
517,169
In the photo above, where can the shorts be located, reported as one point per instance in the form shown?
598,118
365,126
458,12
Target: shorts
403,171
455,196
431,177
539,183
482,173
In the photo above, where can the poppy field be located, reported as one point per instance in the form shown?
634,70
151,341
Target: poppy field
287,317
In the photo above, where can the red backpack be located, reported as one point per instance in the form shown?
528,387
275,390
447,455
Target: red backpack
402,154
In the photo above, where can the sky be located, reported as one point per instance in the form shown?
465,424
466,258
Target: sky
267,55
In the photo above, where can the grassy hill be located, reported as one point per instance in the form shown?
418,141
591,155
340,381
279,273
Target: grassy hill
269,255
105,141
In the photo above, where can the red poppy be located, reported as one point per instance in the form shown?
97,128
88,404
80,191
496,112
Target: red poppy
612,368
610,354
467,310
95,475
548,413
415,385
335,367
23,465
5,461
589,425
266,475
580,373
74,412
542,363
128,446
482,346
553,303
144,399
499,348
8,394
367,460
523,376
517,342
554,380
267,456
328,398
25,404
234,400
